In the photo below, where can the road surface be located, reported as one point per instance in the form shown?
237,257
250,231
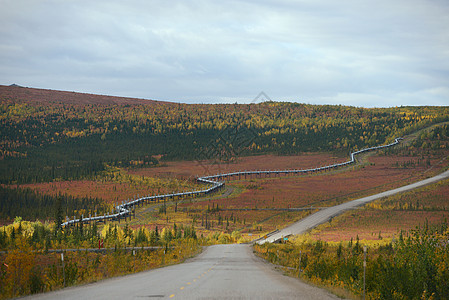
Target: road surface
220,272
325,214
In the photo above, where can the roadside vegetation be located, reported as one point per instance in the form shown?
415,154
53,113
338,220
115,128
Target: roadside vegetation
40,257
67,154
414,266
406,237
31,259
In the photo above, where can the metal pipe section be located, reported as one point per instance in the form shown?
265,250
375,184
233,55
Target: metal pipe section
215,183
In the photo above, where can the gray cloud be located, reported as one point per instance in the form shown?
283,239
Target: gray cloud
340,52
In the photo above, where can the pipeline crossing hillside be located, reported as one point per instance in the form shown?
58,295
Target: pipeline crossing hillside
213,183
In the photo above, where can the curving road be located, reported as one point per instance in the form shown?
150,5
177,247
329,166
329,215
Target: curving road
325,214
220,272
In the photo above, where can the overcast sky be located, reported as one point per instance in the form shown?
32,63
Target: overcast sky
379,53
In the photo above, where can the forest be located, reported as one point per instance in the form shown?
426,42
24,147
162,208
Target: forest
70,154
55,139
32,205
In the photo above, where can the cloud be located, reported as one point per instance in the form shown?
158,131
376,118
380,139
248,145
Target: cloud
360,53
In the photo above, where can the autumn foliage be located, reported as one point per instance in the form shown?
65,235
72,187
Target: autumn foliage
31,260
65,153
414,266
57,138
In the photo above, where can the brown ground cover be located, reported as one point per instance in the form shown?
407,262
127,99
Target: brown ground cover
42,96
191,169
255,223
321,189
376,173
377,225
385,218
109,191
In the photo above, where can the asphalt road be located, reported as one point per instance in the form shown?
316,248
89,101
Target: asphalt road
324,215
220,272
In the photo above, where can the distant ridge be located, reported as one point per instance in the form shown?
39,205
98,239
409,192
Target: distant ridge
20,94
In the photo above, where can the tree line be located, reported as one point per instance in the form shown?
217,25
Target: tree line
66,141
32,205
29,267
